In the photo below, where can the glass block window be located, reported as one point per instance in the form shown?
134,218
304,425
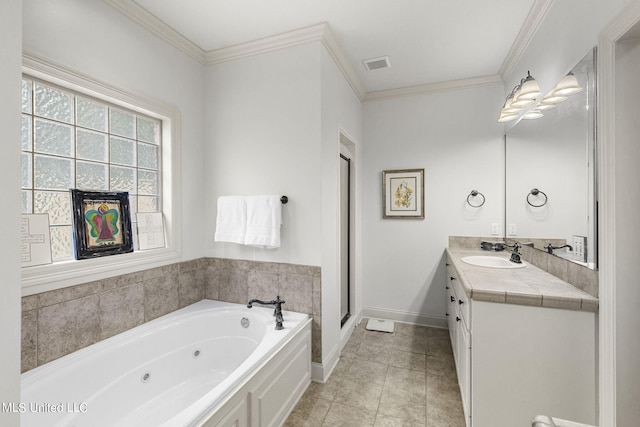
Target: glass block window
70,140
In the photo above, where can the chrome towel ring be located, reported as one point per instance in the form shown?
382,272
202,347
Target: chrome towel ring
535,192
475,193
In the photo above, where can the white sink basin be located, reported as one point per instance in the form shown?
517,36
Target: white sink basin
491,262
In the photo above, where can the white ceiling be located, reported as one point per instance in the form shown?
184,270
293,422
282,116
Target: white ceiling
427,41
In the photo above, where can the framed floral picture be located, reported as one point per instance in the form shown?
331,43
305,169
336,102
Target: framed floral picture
102,223
403,193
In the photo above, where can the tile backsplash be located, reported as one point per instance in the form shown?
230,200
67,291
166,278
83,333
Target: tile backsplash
59,322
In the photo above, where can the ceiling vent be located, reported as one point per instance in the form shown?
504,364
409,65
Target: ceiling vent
377,63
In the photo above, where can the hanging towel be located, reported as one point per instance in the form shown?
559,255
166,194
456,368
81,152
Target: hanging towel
231,221
264,217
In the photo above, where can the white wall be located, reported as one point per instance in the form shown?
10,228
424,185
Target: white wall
273,123
455,137
94,39
10,305
263,137
341,111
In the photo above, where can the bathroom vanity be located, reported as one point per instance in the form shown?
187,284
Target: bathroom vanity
524,343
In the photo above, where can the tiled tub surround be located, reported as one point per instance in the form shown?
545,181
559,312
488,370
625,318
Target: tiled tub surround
59,322
578,275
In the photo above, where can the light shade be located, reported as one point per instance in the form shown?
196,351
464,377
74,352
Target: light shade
567,86
551,98
519,101
529,89
542,106
507,117
533,114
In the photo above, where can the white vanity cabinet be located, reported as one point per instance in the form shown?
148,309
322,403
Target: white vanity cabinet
458,318
515,361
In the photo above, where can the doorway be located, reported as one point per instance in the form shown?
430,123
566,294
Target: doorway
345,238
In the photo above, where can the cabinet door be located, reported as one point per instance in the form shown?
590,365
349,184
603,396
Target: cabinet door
463,368
452,314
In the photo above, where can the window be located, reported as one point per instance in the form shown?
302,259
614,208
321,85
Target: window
74,141
78,132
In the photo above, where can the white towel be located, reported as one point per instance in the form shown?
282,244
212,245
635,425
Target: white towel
231,221
264,217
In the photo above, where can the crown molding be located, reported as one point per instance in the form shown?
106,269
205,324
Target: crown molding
315,33
343,63
322,33
531,24
149,21
447,86
285,40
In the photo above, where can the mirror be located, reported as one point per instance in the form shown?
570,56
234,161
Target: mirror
550,175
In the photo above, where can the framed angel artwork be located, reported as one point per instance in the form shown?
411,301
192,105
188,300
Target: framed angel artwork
102,223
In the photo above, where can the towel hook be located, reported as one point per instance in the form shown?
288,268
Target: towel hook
284,200
535,192
475,193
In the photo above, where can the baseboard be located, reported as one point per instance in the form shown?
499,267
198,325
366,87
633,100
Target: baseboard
320,371
405,317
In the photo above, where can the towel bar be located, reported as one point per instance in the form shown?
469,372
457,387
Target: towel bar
284,200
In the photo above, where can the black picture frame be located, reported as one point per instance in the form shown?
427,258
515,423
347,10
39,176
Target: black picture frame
101,223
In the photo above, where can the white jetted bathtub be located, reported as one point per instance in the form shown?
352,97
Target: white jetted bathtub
212,363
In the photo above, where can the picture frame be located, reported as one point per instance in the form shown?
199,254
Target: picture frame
403,194
101,223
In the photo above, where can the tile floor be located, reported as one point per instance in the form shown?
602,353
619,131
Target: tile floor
405,379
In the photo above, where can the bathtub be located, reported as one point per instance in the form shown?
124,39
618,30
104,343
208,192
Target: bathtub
211,363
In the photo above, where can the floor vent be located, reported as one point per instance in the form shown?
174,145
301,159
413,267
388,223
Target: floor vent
377,63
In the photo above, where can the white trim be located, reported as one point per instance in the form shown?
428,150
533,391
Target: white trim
450,85
614,32
531,24
343,63
322,32
320,372
141,16
405,317
59,275
346,331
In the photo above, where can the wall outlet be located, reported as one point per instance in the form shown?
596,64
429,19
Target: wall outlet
580,248
495,229
513,230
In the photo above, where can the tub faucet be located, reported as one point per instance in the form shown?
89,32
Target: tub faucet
277,303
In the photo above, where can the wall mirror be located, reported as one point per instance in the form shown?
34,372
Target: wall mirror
550,174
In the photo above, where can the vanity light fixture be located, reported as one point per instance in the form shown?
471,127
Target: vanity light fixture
522,95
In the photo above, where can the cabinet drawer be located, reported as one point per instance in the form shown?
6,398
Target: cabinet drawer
461,299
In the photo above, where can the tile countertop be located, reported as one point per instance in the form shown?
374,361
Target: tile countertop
525,286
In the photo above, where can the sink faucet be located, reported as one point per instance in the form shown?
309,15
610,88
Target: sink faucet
277,303
550,248
515,255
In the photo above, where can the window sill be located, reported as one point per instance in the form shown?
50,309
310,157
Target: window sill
43,278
